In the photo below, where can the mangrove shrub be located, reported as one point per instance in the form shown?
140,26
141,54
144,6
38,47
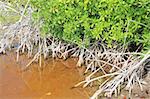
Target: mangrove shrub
83,21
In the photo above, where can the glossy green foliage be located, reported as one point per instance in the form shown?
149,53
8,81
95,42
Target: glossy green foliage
81,21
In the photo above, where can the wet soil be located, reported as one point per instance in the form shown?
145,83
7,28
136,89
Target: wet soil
54,81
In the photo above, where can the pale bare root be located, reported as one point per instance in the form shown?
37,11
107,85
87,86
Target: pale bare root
117,65
121,67
125,72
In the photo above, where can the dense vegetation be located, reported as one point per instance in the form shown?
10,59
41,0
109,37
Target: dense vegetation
83,21
90,23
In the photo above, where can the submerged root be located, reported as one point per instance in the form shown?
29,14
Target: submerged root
118,66
130,71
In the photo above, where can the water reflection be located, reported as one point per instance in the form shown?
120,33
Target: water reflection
54,81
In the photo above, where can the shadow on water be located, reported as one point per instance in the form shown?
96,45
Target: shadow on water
54,81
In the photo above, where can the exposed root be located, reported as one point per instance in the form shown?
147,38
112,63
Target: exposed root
117,65
130,72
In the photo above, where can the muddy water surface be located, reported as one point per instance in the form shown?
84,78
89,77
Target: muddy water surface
54,81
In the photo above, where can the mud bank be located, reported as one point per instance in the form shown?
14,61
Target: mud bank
54,81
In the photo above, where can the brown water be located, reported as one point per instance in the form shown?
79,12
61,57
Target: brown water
55,81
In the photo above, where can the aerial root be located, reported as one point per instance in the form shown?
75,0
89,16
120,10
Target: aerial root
129,72
120,66
117,65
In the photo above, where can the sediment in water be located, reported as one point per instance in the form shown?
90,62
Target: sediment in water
123,67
